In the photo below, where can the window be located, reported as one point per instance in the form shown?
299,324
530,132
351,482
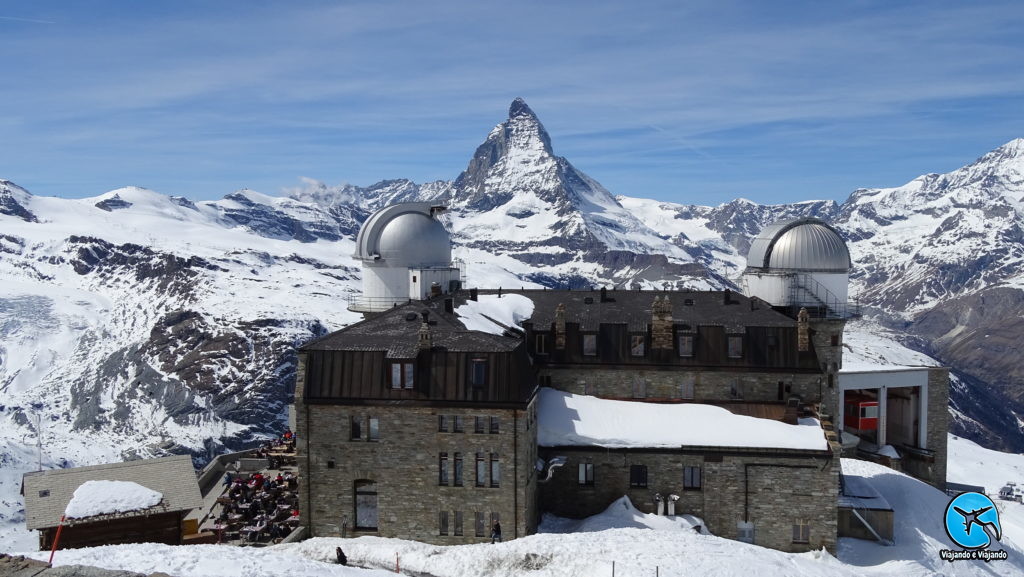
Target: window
442,523
638,476
686,388
636,345
834,340
478,372
403,375
691,478
481,470
495,423
639,388
685,345
374,431
590,345
869,412
586,474
478,425
458,524
442,469
541,344
356,429
735,346
495,470
745,531
479,522
442,424
736,389
458,426
457,480
366,505
801,531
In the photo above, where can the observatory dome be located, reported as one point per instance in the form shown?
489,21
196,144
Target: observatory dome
415,239
405,235
806,244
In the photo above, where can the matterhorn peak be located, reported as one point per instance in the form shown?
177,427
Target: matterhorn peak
520,108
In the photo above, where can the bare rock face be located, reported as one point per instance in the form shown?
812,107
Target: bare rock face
13,201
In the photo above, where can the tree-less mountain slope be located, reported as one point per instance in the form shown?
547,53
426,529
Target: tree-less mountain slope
133,323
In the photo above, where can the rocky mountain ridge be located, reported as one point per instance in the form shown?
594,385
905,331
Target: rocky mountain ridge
170,325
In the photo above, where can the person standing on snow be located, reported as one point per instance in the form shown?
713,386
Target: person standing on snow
496,532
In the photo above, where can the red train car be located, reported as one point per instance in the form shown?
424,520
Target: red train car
860,412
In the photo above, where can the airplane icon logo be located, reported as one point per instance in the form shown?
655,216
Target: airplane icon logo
972,521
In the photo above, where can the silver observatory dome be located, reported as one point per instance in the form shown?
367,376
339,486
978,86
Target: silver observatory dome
405,235
806,244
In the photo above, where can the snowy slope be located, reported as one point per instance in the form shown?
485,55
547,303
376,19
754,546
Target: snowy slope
637,544
137,324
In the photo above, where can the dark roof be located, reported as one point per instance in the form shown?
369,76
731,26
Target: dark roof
633,308
47,493
396,331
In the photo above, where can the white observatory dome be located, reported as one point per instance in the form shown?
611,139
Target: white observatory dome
406,254
415,239
805,244
800,263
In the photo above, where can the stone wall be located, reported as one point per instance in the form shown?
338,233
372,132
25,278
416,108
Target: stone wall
404,464
708,386
933,471
827,340
773,490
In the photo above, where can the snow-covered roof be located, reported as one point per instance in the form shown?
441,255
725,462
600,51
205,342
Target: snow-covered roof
93,498
565,419
494,313
48,494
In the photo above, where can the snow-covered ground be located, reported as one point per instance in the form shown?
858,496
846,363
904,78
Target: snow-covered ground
636,543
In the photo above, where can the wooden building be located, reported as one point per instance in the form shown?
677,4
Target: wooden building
47,494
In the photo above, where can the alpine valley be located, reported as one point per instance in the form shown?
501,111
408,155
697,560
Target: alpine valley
138,324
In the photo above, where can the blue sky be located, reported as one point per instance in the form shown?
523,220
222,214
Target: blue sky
690,102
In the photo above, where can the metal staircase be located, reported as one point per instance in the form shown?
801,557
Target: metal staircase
806,292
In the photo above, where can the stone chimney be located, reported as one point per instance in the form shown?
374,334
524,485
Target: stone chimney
661,323
425,342
803,337
560,326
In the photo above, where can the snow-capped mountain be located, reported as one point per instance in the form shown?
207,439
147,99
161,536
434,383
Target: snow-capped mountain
169,325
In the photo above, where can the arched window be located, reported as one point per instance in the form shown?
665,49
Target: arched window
366,505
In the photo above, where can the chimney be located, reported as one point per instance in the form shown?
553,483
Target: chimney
661,323
472,294
604,294
425,343
803,339
560,326
449,306
435,289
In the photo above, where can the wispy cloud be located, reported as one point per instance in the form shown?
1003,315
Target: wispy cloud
662,99
30,20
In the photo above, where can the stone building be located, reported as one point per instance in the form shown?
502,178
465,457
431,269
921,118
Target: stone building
441,414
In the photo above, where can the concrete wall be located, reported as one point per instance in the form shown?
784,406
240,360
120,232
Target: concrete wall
781,489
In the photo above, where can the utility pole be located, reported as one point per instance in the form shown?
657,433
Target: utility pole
39,439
